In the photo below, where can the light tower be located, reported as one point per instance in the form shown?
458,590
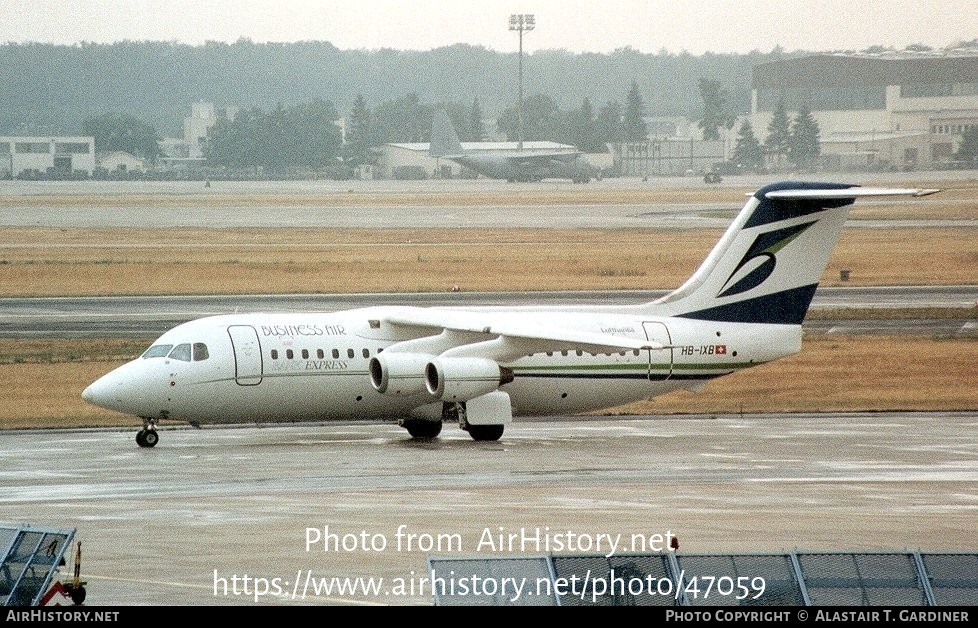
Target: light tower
520,23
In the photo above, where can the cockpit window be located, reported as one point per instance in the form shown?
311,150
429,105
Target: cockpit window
157,351
200,352
181,352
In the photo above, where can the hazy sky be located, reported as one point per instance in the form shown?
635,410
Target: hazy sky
599,26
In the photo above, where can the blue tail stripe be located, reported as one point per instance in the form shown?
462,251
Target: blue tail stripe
787,307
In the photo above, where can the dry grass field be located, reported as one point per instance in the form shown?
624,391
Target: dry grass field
60,262
41,381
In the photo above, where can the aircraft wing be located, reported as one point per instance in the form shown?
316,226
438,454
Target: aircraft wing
519,335
530,160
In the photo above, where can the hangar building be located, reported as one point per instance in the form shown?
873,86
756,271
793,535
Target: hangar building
47,156
901,110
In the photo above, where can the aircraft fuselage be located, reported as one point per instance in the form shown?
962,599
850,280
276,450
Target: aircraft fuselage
314,366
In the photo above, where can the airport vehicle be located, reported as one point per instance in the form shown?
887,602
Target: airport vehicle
510,165
481,366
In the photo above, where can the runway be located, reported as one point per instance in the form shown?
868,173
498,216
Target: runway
352,204
161,526
78,317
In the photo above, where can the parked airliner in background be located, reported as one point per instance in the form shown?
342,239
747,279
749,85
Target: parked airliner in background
513,165
481,366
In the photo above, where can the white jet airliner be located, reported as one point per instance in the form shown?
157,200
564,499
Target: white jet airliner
743,307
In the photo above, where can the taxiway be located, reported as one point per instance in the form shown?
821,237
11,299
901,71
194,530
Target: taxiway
159,525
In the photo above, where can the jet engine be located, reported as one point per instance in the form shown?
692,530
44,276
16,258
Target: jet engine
461,379
399,374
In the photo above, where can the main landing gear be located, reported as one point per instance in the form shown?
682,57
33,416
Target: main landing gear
419,428
486,432
148,437
455,413
422,429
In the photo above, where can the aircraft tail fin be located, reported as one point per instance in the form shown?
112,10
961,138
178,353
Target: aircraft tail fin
444,139
767,265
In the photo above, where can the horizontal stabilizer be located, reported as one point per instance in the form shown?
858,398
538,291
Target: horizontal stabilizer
848,193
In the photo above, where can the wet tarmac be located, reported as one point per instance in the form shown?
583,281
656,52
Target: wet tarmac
176,524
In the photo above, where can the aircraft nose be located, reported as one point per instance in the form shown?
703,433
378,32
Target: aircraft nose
99,392
118,390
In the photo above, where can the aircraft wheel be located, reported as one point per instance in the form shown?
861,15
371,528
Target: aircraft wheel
147,438
423,429
486,432
78,595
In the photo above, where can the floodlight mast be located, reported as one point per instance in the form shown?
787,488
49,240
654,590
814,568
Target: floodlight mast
521,22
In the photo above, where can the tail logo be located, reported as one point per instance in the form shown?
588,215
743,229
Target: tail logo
760,260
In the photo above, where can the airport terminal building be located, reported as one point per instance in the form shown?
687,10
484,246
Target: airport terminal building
60,157
894,110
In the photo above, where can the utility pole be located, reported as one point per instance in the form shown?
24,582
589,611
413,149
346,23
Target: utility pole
521,22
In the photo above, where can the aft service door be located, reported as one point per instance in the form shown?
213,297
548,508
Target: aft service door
660,361
247,355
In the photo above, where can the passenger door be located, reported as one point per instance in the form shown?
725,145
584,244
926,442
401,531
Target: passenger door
247,354
660,362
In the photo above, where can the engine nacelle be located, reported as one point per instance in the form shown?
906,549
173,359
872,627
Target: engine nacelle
461,379
399,374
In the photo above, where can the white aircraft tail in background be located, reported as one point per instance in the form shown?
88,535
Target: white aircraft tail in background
480,367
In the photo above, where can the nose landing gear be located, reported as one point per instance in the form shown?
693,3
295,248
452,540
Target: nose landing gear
148,437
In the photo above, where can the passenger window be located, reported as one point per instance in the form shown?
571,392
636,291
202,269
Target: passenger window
336,353
157,351
350,354
320,354
305,354
200,352
274,354
366,353
635,352
289,354
181,352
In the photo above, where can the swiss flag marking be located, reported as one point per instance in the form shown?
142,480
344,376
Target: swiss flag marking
721,350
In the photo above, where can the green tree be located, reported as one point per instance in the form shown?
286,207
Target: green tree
477,131
585,129
357,149
281,141
123,132
404,119
716,111
748,153
803,144
608,124
633,123
968,151
309,133
237,143
778,134
541,120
